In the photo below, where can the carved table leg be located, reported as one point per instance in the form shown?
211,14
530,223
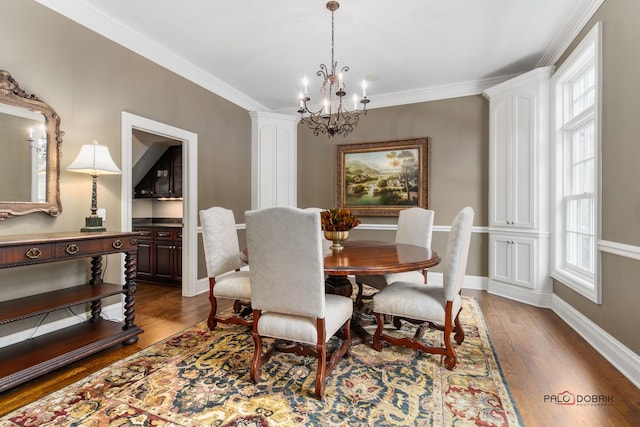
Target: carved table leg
96,270
129,294
338,285
96,279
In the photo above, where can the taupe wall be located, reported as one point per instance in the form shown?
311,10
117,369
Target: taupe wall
89,81
618,314
458,129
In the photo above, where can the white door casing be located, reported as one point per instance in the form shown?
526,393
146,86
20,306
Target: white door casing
190,189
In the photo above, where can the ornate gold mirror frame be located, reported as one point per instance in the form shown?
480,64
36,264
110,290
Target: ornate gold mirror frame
32,162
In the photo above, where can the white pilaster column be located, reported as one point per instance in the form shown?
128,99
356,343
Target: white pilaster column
274,151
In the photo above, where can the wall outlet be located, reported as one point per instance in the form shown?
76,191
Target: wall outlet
102,213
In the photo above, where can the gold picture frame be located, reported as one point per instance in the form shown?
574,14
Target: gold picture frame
383,178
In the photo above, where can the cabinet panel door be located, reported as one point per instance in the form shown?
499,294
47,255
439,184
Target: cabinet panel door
145,258
176,173
523,251
162,180
522,160
164,257
500,258
500,163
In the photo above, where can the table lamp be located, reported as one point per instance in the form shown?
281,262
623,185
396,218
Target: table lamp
94,159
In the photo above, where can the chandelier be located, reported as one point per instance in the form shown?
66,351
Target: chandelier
333,117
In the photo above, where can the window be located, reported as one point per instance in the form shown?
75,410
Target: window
576,181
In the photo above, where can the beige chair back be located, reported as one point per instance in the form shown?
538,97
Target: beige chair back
285,253
220,240
455,260
415,227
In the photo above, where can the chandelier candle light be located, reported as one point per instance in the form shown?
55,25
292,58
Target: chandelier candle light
333,117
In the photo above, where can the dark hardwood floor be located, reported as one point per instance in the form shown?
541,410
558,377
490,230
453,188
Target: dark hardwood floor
540,355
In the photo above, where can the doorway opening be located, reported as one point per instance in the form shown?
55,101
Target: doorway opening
136,127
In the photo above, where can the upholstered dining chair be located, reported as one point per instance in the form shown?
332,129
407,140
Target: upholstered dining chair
438,306
287,291
222,255
415,227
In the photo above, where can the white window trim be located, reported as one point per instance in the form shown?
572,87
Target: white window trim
589,288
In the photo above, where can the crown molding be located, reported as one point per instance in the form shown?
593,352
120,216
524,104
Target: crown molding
88,17
582,12
434,93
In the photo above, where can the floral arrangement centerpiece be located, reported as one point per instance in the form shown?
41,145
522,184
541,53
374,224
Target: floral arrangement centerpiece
336,224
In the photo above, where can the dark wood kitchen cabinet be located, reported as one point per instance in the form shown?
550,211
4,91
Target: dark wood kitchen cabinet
164,179
160,255
145,252
32,357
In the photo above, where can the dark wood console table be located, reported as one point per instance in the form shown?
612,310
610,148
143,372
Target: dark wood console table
28,359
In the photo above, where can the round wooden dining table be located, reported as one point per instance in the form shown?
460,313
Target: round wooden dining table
367,257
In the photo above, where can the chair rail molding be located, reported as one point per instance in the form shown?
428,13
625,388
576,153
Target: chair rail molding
621,249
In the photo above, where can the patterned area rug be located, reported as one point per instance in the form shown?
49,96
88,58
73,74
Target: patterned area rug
201,378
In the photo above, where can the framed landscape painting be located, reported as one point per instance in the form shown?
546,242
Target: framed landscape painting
383,178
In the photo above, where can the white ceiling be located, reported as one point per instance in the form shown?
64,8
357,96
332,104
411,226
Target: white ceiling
255,52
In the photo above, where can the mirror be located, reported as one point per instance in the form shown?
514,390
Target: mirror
30,140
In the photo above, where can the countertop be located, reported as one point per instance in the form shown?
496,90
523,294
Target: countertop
156,222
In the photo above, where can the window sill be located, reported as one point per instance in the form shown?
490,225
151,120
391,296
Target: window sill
588,289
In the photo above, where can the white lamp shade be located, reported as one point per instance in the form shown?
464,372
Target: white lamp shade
94,159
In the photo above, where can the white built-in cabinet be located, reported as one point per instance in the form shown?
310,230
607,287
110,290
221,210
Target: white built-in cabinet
519,188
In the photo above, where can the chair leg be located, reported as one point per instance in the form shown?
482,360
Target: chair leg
325,367
397,322
459,331
377,343
359,296
322,365
256,363
211,321
347,338
450,357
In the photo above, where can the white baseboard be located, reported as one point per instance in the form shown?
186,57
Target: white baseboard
202,286
470,282
516,293
623,359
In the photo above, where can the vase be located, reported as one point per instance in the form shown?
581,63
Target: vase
336,237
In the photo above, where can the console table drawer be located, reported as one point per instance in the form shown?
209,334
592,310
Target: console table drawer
93,247
25,254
